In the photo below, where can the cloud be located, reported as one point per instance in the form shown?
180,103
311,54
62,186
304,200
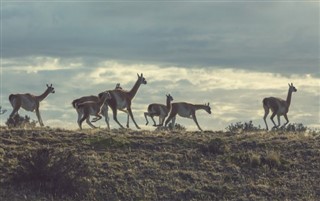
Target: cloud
254,36
36,64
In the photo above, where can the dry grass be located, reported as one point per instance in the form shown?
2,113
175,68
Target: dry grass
161,165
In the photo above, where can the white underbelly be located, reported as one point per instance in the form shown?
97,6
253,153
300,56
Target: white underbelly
281,111
163,111
28,104
92,111
184,113
121,103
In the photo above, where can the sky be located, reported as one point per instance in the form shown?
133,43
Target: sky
230,54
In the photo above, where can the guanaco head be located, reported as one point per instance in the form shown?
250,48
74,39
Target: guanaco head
142,79
50,88
292,88
207,108
118,86
104,96
169,97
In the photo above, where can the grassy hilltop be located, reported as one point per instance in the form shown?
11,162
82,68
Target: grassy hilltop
56,164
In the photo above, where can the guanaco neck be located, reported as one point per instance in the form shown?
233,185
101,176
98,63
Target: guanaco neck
199,107
289,97
44,95
134,89
168,103
101,101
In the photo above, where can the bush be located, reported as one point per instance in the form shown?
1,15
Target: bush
239,127
215,146
21,122
177,127
295,127
54,172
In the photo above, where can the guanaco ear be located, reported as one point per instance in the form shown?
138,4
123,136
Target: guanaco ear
289,85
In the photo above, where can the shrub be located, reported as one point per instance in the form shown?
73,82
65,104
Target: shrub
214,146
55,172
240,127
21,122
177,127
295,127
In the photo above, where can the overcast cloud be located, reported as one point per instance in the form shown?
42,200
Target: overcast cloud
229,54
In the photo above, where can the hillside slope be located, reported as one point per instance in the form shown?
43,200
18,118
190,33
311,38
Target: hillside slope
158,165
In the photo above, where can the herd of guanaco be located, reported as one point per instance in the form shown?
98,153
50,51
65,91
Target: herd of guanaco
120,99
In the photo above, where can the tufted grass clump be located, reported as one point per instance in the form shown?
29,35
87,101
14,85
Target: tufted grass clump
59,173
254,160
272,159
215,146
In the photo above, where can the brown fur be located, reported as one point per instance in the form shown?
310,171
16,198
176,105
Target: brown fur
186,110
278,107
104,111
29,102
156,109
122,99
85,109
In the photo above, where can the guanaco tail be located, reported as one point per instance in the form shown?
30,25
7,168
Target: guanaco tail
2,111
